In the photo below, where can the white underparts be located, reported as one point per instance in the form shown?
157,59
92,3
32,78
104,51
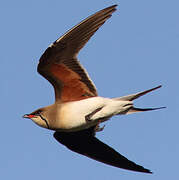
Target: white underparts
112,108
73,114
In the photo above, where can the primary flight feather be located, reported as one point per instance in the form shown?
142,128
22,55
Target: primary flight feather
78,110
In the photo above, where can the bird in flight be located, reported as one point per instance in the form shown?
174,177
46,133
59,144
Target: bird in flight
78,110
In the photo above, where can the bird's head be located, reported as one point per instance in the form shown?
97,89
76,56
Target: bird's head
38,117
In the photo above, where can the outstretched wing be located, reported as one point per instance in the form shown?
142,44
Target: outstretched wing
84,142
59,64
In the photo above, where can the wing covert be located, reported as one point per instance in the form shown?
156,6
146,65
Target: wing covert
60,66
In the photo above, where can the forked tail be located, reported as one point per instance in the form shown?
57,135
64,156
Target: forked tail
135,96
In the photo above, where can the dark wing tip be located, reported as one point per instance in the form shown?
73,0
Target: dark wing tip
149,171
112,6
144,170
84,142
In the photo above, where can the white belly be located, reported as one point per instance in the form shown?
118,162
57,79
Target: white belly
72,115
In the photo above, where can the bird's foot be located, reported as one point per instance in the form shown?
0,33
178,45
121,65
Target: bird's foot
88,117
98,128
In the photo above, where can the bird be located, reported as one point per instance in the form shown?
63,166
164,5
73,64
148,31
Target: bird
78,110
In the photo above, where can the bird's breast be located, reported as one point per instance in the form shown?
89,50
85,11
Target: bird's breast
71,115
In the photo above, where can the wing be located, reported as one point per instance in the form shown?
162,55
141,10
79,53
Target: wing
84,142
60,66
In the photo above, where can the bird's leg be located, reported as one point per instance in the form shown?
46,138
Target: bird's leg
88,117
98,128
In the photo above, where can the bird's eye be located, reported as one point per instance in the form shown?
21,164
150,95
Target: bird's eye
36,112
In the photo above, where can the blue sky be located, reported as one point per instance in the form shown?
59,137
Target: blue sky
135,50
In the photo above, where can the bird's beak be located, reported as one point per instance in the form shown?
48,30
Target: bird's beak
26,116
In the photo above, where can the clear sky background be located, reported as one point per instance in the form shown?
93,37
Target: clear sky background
137,49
